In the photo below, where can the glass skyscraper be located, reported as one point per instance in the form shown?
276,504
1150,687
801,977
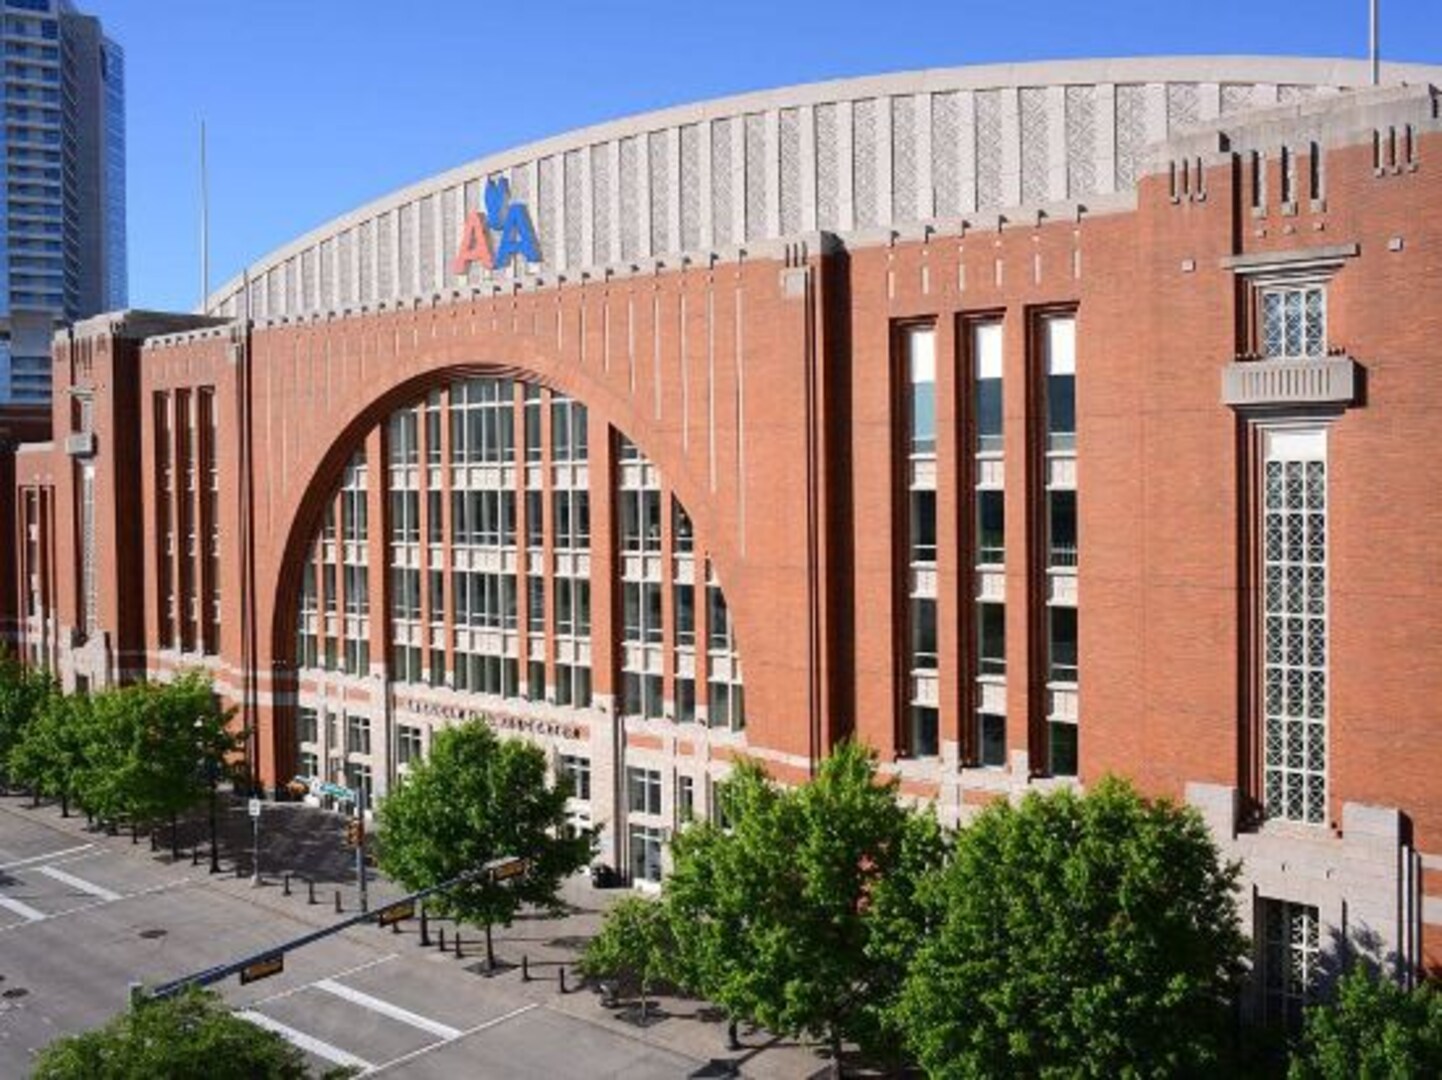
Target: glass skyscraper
63,217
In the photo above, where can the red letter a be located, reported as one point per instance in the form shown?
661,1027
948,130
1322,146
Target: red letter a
475,244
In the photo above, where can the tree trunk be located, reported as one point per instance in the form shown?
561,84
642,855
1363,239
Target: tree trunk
835,1041
490,952
733,1041
643,1004
64,804
174,837
35,796
135,832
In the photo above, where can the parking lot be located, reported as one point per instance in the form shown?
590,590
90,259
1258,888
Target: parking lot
84,914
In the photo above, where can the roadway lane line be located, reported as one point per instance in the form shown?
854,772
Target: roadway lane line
290,991
385,1008
308,1043
405,1059
25,911
80,883
44,858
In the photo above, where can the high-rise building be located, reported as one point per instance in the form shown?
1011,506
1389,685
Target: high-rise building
62,224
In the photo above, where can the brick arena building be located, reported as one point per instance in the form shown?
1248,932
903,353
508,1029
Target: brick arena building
1029,423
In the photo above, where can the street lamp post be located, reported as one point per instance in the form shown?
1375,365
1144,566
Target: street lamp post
214,848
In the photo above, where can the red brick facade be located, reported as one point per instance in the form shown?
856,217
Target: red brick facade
766,393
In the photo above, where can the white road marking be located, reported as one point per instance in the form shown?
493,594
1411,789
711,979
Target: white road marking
385,1008
308,1043
80,883
45,858
25,911
337,975
92,904
406,1058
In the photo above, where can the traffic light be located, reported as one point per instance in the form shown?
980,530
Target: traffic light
354,832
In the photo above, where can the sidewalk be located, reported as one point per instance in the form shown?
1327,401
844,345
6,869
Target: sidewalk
306,845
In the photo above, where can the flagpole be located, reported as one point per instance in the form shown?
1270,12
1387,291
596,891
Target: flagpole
1374,43
204,225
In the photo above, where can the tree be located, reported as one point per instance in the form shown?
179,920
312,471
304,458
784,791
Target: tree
23,694
50,755
478,797
1373,1028
190,1035
635,946
151,749
1075,935
776,917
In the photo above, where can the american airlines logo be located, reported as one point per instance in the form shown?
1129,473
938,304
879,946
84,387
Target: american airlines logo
511,221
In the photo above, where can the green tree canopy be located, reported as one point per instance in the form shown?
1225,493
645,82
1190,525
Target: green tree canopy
1372,1029
475,798
192,1035
50,755
775,917
24,692
1078,936
636,946
151,748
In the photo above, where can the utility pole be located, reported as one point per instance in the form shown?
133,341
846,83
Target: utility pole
360,847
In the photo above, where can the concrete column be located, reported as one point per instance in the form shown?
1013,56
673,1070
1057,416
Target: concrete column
1010,146
925,187
884,171
806,118
966,151
845,164
1056,155
1106,138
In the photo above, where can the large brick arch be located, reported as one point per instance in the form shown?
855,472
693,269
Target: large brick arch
326,475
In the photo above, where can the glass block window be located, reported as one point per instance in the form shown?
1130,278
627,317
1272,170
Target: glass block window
1294,321
1294,626
1291,958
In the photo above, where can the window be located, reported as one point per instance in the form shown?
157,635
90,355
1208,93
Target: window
569,439
405,593
403,438
1294,321
991,639
358,734
1062,640
578,770
405,517
533,422
923,633
920,345
645,853
1294,625
986,353
990,527
683,539
924,732
1062,529
923,525
684,597
1291,958
483,422
571,519
685,700
536,680
1059,341
990,740
307,725
536,603
1062,747
685,798
408,744
643,790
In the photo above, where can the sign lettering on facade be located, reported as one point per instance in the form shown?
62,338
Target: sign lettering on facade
505,217
524,725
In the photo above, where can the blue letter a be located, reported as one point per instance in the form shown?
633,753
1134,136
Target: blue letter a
517,237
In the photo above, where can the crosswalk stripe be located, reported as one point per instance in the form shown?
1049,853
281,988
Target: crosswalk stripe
25,911
43,858
66,878
385,1008
309,1043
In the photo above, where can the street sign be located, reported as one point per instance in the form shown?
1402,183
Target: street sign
254,807
395,913
263,968
507,868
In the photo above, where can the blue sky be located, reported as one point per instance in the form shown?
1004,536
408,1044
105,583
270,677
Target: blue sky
316,106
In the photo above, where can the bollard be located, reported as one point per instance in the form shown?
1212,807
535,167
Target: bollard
285,884
152,842
425,929
195,856
458,943
561,974
525,968
310,892
442,939
337,902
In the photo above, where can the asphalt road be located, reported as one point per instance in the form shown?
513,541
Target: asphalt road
83,915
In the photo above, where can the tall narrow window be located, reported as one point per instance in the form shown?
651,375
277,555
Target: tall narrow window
923,733
1058,342
1294,625
988,542
1291,957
